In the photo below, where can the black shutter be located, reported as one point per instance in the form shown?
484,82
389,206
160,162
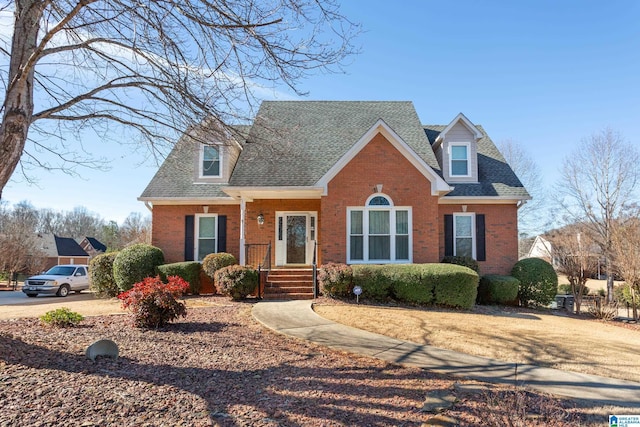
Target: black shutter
448,235
481,252
222,233
189,230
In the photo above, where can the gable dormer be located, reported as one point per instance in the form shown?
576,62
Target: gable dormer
457,150
216,157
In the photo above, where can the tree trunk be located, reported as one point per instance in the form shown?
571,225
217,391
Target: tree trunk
18,103
609,280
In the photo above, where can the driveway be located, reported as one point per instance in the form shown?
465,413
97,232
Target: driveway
15,304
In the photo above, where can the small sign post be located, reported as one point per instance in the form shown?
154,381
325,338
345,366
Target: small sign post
357,290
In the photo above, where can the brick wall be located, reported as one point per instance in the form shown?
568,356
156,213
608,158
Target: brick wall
379,163
168,228
501,234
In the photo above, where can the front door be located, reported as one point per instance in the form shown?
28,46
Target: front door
295,237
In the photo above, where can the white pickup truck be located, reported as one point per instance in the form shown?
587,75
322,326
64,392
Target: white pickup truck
59,280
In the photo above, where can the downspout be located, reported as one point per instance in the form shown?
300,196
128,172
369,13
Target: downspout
243,215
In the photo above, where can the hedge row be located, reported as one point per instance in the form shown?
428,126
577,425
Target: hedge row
115,272
447,285
501,290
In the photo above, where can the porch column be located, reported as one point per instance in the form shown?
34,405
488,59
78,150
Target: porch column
243,215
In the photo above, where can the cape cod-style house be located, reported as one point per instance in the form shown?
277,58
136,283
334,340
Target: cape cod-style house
312,182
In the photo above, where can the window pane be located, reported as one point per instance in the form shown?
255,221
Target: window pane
206,247
378,222
459,167
356,222
210,161
379,201
356,248
402,247
207,227
402,222
459,152
379,247
463,247
463,226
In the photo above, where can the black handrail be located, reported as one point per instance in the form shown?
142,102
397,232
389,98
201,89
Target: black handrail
315,270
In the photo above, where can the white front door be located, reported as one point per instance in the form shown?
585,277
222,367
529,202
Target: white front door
295,237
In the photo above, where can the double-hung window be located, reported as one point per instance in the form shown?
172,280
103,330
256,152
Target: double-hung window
379,232
206,239
210,161
459,163
464,236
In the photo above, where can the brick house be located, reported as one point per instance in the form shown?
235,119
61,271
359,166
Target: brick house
337,181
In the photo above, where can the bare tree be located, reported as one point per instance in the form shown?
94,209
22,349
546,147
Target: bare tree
575,254
18,249
598,181
155,67
626,249
135,229
530,215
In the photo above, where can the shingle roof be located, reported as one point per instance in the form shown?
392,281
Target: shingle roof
295,143
495,176
177,175
69,247
97,245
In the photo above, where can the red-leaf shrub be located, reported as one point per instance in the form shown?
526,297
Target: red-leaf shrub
153,303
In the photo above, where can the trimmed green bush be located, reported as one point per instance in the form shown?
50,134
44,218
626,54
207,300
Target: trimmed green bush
214,262
462,260
371,278
495,289
335,280
443,284
101,278
188,270
408,283
135,263
538,282
62,317
454,285
236,281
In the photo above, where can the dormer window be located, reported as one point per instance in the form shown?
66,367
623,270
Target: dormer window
210,161
459,159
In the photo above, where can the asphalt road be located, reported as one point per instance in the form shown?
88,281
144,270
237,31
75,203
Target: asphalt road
18,297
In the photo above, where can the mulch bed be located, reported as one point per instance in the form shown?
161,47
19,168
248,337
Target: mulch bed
218,366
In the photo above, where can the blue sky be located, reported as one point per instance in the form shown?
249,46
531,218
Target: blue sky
544,73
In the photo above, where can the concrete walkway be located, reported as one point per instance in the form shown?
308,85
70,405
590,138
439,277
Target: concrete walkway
297,319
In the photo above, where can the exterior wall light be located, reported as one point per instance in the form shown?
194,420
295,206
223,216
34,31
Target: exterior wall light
260,219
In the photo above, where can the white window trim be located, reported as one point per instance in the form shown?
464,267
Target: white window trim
201,161
196,234
473,233
392,228
450,150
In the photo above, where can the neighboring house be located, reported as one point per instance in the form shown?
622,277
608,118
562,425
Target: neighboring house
540,248
346,182
92,246
61,250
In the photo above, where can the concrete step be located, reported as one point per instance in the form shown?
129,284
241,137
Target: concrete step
288,296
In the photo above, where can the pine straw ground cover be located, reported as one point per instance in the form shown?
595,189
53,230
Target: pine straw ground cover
218,366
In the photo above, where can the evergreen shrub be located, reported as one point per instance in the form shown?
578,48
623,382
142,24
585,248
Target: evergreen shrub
538,282
496,289
135,263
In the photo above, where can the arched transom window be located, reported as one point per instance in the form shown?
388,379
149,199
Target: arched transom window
379,232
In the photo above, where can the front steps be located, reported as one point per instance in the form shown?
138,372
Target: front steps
289,284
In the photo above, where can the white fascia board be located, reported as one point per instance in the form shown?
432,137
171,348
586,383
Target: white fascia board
480,200
438,185
190,200
465,121
285,192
